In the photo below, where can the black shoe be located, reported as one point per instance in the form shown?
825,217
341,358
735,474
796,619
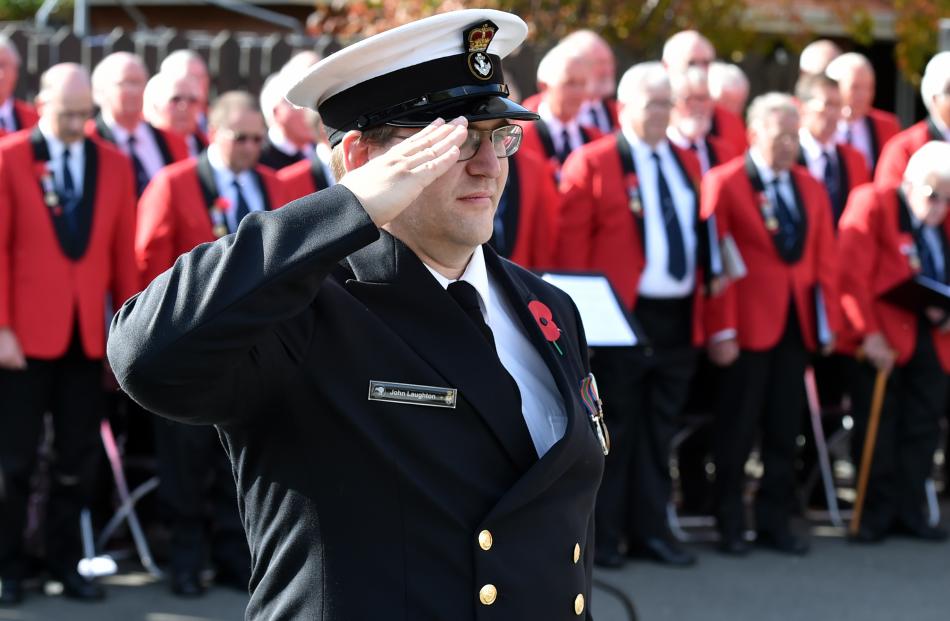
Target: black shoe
187,584
783,541
77,587
867,534
734,546
609,559
666,552
11,592
921,531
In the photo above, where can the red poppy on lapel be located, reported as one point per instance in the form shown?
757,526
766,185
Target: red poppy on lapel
542,314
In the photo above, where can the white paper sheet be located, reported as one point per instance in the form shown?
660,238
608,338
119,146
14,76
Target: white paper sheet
605,321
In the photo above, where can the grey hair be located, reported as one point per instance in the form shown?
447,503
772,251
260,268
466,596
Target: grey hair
936,79
768,104
640,77
931,159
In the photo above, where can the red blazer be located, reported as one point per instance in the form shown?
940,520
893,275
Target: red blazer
538,206
730,128
855,169
883,126
173,146
302,178
599,232
26,116
173,215
720,151
43,292
874,238
757,306
532,141
897,152
532,102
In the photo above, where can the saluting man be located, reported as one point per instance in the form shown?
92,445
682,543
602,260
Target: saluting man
189,203
407,414
631,211
763,325
67,218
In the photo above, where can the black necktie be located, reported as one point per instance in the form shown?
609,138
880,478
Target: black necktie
466,296
68,198
565,146
833,184
788,229
141,177
242,207
676,249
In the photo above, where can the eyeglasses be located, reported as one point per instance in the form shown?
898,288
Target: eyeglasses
242,138
183,99
505,141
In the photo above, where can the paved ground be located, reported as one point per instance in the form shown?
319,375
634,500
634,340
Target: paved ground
899,580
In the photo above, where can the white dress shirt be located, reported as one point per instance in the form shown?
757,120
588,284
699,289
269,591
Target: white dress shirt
224,179
556,127
77,159
146,148
816,154
701,150
541,403
285,146
594,113
860,135
656,281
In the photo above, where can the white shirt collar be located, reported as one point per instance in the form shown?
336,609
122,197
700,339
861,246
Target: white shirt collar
766,174
6,110
475,274
121,134
813,149
676,137
555,124
56,146
223,175
662,148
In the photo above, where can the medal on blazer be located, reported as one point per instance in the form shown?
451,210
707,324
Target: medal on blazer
768,213
219,222
595,410
909,250
633,195
50,197
544,317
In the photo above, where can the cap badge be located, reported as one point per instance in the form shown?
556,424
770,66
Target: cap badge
477,39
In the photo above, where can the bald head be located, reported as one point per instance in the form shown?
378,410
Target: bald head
65,101
687,48
118,85
190,63
816,56
602,80
855,77
171,102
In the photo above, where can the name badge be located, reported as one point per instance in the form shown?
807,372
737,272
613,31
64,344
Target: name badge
412,394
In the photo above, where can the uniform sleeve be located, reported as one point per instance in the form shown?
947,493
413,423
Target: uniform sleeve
206,341
857,246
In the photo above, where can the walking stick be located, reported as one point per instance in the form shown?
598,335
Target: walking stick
867,454
821,447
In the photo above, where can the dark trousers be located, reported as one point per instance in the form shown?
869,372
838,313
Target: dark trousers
70,389
644,390
761,392
195,484
906,438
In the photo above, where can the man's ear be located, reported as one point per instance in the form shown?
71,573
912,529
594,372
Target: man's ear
355,150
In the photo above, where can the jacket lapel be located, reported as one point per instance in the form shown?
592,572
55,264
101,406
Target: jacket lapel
628,167
933,132
394,284
161,143
86,207
103,130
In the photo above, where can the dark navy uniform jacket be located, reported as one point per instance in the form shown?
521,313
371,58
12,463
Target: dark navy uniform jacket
360,509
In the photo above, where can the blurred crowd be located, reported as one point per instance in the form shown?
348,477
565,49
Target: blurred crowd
750,242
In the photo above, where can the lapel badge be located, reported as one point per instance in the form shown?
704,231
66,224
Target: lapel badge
634,203
219,225
542,314
595,410
477,39
51,199
768,213
412,394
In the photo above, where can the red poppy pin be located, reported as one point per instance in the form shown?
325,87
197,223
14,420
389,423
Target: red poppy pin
222,204
544,317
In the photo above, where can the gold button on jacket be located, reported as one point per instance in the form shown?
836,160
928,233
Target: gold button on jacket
485,540
579,604
488,594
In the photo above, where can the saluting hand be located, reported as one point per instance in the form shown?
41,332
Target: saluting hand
11,356
389,182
